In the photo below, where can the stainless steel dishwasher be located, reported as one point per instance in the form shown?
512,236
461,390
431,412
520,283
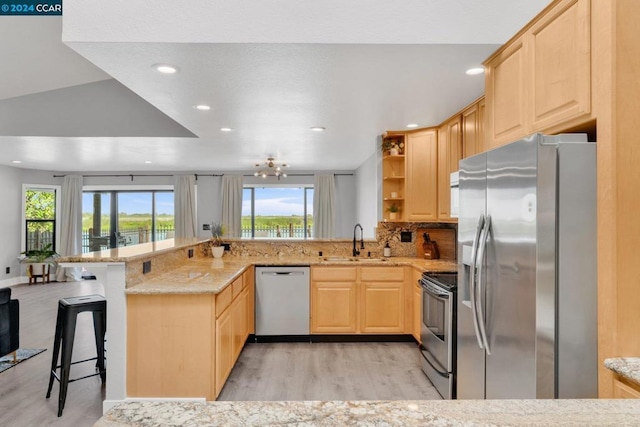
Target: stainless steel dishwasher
282,301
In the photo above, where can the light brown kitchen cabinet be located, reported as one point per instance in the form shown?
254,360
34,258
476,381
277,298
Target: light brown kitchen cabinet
505,85
382,300
559,61
417,306
352,300
239,315
540,81
421,200
186,345
250,284
170,345
623,389
334,300
449,152
224,348
473,129
393,186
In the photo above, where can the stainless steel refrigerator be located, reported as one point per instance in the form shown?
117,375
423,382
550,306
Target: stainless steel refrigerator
527,271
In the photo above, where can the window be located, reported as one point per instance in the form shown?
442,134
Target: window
273,212
115,218
40,218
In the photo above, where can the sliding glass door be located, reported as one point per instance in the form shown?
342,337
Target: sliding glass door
112,219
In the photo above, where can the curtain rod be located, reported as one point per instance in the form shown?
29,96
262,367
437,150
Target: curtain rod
196,175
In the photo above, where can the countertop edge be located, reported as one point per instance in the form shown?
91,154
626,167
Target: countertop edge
626,367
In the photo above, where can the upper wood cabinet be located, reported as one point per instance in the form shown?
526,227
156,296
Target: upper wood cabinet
540,81
393,178
422,176
505,94
559,58
449,152
473,129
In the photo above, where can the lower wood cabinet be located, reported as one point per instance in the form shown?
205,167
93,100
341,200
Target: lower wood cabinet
382,300
350,300
623,389
417,306
334,300
186,345
224,348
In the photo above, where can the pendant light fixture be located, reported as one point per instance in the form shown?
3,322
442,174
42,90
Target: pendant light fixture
271,168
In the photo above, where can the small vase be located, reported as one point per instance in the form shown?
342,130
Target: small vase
217,251
393,152
393,215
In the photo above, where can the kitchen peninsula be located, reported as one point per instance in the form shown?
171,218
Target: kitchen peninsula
181,274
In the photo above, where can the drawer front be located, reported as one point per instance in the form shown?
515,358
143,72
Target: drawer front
223,299
237,286
382,274
331,274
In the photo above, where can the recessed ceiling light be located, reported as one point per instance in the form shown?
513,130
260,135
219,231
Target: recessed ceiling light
16,161
475,71
148,161
225,129
412,125
202,107
318,129
165,68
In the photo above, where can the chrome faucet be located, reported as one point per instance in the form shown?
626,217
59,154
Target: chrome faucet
356,252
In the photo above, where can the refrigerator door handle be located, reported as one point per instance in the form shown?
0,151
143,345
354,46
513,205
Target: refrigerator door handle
472,277
480,261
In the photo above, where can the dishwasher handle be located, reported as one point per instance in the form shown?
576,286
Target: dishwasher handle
282,273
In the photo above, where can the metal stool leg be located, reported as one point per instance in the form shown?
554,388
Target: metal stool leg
56,351
99,329
67,348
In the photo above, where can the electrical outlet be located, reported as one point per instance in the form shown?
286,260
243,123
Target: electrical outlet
146,267
7,270
190,253
206,226
405,236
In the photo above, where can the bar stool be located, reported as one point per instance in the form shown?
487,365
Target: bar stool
68,310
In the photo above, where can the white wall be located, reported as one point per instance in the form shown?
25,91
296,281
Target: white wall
10,222
368,194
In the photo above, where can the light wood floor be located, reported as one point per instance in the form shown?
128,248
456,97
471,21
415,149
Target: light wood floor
328,371
282,371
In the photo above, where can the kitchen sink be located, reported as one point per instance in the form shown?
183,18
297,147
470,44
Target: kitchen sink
338,258
352,259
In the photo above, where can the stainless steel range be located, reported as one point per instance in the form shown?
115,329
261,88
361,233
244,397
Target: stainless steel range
438,331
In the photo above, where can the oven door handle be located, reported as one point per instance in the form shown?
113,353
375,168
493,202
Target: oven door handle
442,297
424,351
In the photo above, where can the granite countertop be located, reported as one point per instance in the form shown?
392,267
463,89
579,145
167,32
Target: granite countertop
134,252
376,413
627,367
209,275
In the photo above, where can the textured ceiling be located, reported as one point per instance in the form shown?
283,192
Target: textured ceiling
270,71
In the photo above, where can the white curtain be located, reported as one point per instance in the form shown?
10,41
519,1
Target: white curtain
71,225
324,206
232,204
184,200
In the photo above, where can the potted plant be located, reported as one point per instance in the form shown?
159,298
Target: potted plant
393,211
217,231
39,260
392,146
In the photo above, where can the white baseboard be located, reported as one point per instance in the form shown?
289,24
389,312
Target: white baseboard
13,281
108,404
